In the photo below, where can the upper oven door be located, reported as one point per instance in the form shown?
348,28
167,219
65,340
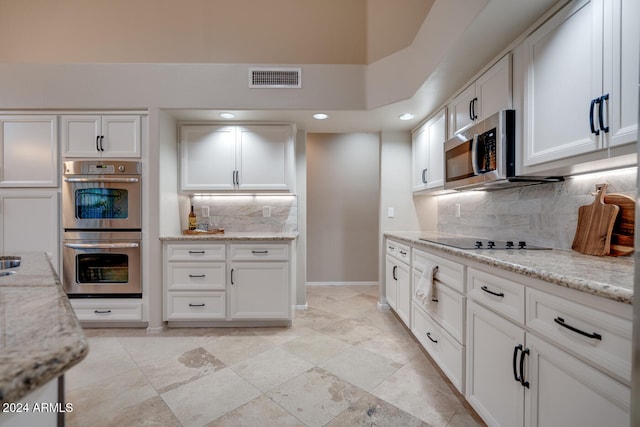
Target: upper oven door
101,202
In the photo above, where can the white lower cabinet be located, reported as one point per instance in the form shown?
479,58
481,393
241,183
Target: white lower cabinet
259,290
222,282
516,377
445,350
398,280
564,391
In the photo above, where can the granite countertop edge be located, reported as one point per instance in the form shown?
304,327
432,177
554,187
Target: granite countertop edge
511,261
26,369
251,236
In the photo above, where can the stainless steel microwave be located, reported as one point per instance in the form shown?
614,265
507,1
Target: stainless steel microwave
484,156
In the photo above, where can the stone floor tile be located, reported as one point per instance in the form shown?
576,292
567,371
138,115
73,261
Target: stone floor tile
259,412
210,397
371,411
271,368
316,397
361,368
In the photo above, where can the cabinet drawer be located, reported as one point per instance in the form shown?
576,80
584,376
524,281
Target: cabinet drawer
446,351
501,295
600,337
195,252
196,276
195,305
399,251
449,272
259,252
106,312
446,307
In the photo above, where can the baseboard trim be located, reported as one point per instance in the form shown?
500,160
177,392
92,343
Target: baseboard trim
343,283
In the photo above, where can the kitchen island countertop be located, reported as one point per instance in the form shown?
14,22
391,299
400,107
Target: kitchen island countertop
609,277
244,235
40,337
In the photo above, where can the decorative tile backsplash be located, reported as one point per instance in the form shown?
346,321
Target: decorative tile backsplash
246,213
544,214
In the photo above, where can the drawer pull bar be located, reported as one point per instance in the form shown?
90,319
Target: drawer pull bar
102,311
259,252
196,252
197,275
594,335
403,253
434,299
489,291
196,305
432,339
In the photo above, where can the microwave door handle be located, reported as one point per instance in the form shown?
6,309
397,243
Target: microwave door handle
116,180
101,245
474,155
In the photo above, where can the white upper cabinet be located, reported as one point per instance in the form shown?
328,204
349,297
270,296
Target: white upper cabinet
101,136
240,158
581,81
29,151
264,158
428,153
208,157
490,93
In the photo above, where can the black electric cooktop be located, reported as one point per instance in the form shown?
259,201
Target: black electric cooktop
480,243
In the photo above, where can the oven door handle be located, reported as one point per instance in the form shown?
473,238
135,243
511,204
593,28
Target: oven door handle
102,180
101,245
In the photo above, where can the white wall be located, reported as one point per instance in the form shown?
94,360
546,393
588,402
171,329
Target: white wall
342,207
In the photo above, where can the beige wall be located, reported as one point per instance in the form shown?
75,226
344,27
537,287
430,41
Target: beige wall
343,175
207,31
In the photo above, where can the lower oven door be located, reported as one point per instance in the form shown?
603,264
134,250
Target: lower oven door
102,264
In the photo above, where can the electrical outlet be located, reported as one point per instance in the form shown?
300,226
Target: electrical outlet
266,211
204,212
391,212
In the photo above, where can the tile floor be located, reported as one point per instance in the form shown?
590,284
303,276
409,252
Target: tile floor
344,362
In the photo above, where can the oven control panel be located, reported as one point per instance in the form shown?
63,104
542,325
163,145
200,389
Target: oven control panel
102,167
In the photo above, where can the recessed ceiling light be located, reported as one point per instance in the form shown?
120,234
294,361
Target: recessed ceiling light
320,116
227,115
406,116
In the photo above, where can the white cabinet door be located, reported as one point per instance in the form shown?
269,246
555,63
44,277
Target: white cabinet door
428,153
101,136
563,85
420,156
259,290
567,392
264,158
494,89
391,282
437,130
28,151
461,114
403,293
30,222
621,71
121,136
491,387
490,93
207,157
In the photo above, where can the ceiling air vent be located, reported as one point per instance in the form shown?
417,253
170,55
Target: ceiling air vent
275,78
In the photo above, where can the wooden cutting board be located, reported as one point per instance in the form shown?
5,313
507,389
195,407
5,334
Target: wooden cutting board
595,225
624,227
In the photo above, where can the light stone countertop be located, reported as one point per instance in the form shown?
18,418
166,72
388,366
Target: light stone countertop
40,337
609,277
245,235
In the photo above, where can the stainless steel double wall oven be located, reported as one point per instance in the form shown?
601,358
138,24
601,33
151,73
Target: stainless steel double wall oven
102,221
